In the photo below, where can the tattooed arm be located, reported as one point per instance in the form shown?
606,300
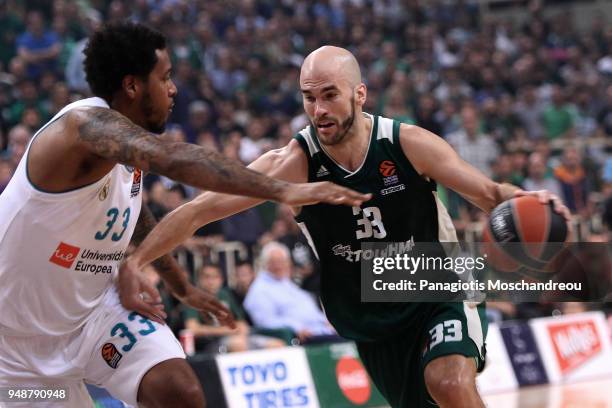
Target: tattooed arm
111,136
132,284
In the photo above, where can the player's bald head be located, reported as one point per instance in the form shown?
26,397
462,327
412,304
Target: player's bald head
332,64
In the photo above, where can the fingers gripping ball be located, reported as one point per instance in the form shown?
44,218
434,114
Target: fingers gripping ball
523,233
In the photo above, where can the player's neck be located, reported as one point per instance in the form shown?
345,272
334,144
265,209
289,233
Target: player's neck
129,110
351,152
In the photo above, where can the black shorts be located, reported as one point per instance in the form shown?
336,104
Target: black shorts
397,365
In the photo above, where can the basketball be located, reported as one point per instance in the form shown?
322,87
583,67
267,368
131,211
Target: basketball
523,233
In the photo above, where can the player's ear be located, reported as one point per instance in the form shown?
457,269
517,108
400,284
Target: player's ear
361,93
130,86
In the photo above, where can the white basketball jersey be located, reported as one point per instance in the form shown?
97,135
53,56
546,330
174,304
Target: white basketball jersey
59,252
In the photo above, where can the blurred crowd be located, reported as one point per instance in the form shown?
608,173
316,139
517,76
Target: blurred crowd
527,101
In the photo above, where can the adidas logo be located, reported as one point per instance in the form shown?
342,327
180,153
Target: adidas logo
322,171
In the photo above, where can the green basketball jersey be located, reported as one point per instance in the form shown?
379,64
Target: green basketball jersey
404,207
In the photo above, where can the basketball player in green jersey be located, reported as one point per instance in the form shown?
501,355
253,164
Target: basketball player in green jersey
418,354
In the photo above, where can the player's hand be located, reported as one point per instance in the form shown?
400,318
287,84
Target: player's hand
300,194
206,303
137,294
545,197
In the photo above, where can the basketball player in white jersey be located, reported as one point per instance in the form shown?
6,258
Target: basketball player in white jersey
66,219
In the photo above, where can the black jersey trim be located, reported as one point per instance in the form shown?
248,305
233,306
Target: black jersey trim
345,172
304,145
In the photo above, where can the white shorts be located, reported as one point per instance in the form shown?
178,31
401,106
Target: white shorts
113,350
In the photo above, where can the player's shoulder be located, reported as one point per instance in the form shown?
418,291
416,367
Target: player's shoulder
413,137
83,110
411,131
418,143
83,114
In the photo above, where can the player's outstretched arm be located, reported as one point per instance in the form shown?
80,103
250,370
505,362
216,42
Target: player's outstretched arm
132,284
288,163
110,135
434,158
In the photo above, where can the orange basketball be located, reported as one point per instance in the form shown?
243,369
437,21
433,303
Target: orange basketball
523,233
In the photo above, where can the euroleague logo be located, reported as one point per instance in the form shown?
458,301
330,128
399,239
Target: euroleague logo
111,355
136,183
353,380
390,178
64,255
387,168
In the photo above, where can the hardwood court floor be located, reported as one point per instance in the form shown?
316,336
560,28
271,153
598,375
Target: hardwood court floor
592,394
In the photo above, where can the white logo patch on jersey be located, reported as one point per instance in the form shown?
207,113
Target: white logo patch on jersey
322,171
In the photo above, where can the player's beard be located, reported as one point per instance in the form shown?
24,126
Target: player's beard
146,104
343,128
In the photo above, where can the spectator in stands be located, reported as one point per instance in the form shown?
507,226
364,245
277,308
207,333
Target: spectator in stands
199,120
256,142
245,227
530,109
209,335
18,139
226,76
573,181
538,179
37,46
31,118
604,117
290,306
244,277
6,172
543,147
396,106
452,87
584,113
10,26
557,117
425,114
74,71
471,144
503,171
187,94
60,97
449,118
29,97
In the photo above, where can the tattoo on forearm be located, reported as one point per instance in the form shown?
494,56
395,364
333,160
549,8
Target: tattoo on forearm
111,135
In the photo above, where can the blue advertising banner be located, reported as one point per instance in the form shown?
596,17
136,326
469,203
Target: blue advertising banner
524,354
